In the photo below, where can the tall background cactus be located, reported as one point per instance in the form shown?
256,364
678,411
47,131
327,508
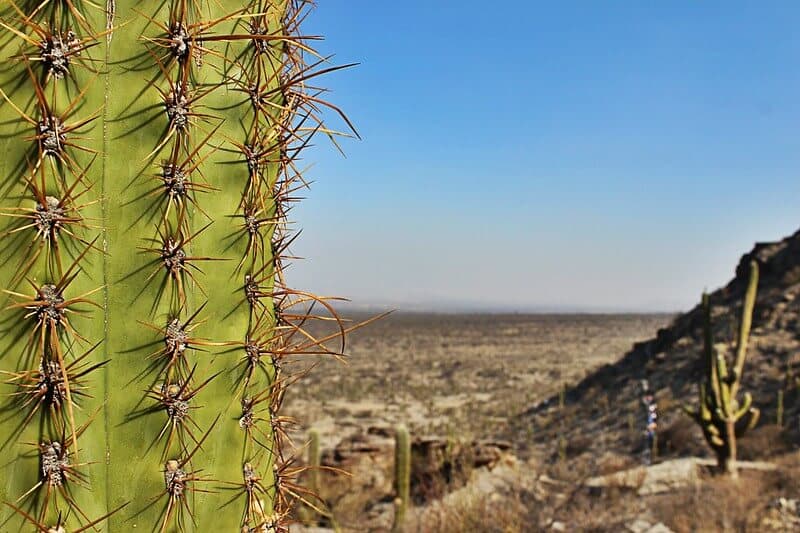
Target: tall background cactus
402,475
720,414
149,161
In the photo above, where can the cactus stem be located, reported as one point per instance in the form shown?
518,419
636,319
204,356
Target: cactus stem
402,475
159,94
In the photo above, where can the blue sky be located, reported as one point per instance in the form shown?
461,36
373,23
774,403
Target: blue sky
582,155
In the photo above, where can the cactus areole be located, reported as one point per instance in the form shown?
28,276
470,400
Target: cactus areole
149,159
720,414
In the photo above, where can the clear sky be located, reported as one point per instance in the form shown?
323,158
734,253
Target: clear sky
524,155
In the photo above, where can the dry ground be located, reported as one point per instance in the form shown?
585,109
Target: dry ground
460,377
459,374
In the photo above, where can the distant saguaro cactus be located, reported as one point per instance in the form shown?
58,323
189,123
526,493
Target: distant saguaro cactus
402,475
719,414
309,513
314,460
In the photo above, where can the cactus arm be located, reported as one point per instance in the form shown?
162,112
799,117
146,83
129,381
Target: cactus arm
723,386
714,363
755,415
715,438
744,326
750,423
745,407
704,409
701,413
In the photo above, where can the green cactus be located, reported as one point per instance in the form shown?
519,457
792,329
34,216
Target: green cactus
149,161
314,460
402,475
719,414
310,514
561,448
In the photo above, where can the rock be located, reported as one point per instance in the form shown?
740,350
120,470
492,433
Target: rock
788,505
356,446
558,526
782,515
659,528
653,479
486,454
639,526
381,431
664,477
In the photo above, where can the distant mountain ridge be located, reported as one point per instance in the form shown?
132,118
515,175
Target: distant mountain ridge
599,408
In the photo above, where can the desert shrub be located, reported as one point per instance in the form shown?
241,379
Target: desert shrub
763,442
716,505
578,444
609,463
680,438
602,511
513,512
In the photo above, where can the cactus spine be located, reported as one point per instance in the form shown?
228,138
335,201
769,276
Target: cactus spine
149,163
402,475
719,414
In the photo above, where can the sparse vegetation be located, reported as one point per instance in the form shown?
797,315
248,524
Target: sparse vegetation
540,482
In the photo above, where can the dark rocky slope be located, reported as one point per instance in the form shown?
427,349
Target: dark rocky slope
603,413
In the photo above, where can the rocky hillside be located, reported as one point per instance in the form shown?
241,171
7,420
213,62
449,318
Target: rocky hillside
603,413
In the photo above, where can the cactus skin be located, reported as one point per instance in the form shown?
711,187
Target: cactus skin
118,130
402,475
720,415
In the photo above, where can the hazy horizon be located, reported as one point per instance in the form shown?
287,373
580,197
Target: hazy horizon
562,155
469,308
